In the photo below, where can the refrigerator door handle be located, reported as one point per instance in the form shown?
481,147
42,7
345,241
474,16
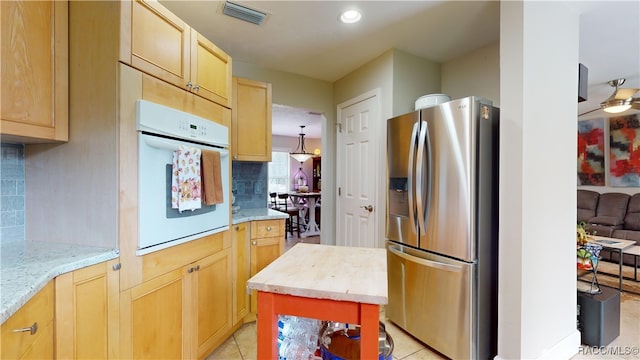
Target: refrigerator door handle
425,262
410,179
423,197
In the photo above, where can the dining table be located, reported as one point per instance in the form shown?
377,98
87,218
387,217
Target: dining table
312,228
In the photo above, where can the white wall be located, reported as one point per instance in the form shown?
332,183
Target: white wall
412,78
475,74
537,294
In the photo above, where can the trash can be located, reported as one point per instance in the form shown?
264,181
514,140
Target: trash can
599,316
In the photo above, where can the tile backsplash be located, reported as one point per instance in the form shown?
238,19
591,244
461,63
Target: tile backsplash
12,192
250,184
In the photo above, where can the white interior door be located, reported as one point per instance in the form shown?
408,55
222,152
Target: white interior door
357,172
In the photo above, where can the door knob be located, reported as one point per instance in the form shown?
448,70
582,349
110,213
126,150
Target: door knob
369,208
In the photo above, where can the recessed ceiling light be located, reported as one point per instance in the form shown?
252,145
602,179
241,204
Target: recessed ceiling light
350,16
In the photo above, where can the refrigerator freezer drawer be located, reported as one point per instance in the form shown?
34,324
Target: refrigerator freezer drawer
431,298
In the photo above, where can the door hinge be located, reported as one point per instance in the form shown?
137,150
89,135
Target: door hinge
339,191
339,125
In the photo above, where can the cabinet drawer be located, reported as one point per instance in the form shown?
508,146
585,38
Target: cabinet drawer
267,228
37,310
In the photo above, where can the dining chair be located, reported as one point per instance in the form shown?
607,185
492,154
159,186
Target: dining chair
293,221
273,200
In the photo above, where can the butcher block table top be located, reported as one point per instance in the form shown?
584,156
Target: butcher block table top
327,272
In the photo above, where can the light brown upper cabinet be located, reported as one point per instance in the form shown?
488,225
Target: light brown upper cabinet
34,50
161,44
210,70
251,120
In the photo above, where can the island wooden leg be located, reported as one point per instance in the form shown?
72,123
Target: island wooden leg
369,323
267,326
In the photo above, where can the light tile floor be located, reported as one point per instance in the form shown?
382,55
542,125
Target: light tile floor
242,345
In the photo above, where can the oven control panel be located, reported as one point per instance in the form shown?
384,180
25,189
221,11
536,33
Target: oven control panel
163,120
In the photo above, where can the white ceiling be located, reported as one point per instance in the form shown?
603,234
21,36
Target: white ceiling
305,38
286,121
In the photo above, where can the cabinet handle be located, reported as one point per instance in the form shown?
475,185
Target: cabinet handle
190,270
31,329
237,228
197,267
196,88
116,267
268,228
189,85
254,242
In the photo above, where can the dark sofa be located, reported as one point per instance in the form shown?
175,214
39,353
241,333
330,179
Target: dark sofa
611,214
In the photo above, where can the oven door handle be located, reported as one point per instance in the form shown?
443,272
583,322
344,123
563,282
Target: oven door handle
164,144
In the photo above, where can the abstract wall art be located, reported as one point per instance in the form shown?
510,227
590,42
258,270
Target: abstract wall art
624,150
591,152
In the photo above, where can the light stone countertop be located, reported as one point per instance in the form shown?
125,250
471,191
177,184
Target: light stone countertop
265,213
327,272
26,267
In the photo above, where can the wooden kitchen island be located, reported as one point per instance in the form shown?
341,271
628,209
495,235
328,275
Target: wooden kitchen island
343,284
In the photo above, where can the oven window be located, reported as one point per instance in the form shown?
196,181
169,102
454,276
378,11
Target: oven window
174,213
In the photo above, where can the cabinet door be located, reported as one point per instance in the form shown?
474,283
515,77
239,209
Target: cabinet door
267,244
17,338
42,347
87,312
211,285
35,63
251,120
160,42
210,70
152,319
240,243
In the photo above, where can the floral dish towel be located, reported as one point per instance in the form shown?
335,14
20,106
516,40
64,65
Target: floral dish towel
186,179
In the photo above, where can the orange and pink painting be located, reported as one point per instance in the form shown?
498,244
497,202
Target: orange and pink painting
591,152
624,151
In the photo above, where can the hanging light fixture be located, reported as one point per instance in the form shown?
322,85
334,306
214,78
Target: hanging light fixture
301,153
621,99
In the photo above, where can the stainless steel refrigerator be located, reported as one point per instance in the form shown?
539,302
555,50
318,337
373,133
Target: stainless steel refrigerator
442,226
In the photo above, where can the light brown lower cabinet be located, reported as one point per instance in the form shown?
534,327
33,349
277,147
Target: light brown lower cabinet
211,316
185,313
28,334
240,245
87,314
266,245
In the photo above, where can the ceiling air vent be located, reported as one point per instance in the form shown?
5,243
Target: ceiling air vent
243,13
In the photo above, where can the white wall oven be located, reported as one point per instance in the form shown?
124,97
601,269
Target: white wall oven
163,133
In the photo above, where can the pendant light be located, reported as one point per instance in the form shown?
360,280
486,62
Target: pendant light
301,153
